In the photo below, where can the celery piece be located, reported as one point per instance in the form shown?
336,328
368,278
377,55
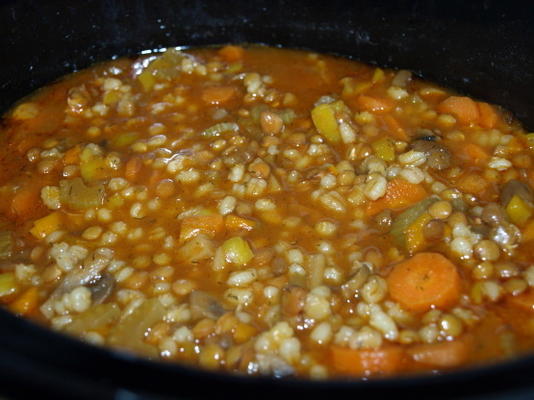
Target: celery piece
237,251
406,218
8,284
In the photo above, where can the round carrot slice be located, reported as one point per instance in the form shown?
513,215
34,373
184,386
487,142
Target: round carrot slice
423,281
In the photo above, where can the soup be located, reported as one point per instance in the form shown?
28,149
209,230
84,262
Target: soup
269,211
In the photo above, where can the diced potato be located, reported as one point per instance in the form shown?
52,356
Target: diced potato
385,149
518,210
8,284
378,75
415,238
324,119
237,251
92,165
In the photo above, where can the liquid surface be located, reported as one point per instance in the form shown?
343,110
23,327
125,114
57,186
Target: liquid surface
269,211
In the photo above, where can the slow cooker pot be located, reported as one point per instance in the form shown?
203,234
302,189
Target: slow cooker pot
485,49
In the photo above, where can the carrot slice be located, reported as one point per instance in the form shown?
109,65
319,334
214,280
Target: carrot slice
365,362
399,193
218,94
463,108
374,104
476,154
236,223
423,281
488,115
210,225
443,355
232,53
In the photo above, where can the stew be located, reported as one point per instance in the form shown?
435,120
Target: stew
269,211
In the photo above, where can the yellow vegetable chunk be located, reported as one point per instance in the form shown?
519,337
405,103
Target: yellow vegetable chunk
237,251
46,225
384,149
415,239
8,284
324,119
378,75
518,210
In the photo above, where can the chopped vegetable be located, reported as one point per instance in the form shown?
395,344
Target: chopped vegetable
26,202
27,302
232,53
78,196
95,318
92,164
374,104
407,218
441,355
197,249
237,251
218,94
384,148
209,225
130,332
365,362
488,115
423,281
464,109
399,193
46,225
236,223
324,119
415,238
8,284
518,210
124,139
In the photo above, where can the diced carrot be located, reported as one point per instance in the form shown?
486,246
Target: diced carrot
46,225
399,193
72,155
209,225
232,53
26,302
236,223
374,104
395,128
488,115
523,301
441,355
464,109
26,203
365,362
218,94
476,154
133,168
472,183
423,281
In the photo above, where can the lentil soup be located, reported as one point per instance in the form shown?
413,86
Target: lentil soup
269,211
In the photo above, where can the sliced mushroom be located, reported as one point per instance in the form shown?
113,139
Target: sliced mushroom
493,214
204,305
516,188
438,156
102,288
506,235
